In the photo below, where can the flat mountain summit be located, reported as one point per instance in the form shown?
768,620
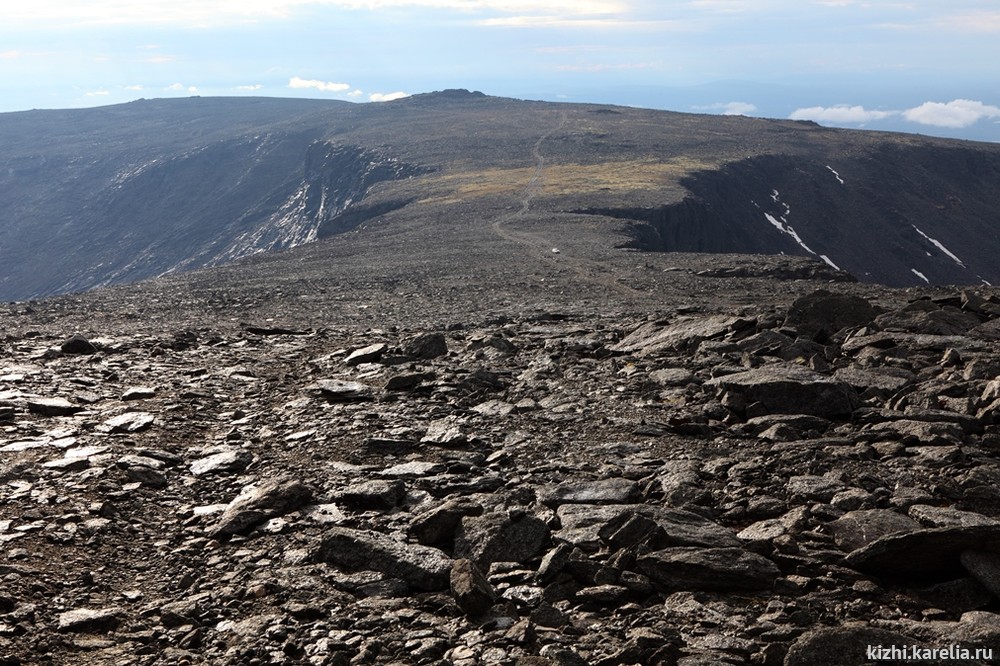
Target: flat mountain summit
119,194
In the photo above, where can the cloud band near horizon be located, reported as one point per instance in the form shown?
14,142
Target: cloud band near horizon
956,114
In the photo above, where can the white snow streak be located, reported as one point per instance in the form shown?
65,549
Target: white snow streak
827,260
835,174
920,275
940,247
786,228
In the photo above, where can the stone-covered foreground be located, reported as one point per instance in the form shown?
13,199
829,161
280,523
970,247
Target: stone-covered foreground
765,487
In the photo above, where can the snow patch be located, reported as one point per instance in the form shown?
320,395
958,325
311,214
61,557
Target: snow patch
835,174
920,275
940,246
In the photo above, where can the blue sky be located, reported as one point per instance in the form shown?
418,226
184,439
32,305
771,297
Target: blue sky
924,66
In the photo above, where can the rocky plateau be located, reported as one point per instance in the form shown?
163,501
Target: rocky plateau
710,485
471,422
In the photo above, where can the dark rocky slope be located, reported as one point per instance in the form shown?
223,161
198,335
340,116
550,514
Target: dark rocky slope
879,218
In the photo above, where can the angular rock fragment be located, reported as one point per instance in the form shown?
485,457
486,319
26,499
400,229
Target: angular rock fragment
368,354
923,551
138,393
582,525
258,503
90,620
472,592
421,567
426,346
499,537
224,462
371,495
53,407
339,390
77,344
682,334
130,422
722,569
438,525
947,516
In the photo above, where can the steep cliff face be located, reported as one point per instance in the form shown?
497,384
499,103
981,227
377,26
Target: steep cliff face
895,215
199,207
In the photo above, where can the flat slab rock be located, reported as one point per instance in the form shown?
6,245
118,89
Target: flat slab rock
88,619
601,491
582,523
421,567
790,389
857,529
53,407
339,390
129,422
924,551
708,569
684,333
223,462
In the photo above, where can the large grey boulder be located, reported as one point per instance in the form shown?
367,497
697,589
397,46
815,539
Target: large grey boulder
421,567
500,537
848,645
718,569
822,313
788,389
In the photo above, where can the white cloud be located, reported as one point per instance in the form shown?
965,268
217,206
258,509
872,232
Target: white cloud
97,93
223,12
387,97
955,114
179,87
325,86
564,21
355,93
255,86
981,21
729,108
841,113
135,88
606,67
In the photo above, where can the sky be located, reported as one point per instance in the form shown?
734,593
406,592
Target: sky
924,66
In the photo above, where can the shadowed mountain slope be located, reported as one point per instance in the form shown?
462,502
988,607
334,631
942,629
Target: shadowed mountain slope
119,194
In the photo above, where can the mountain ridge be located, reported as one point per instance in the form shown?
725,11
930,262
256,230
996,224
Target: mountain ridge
118,194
